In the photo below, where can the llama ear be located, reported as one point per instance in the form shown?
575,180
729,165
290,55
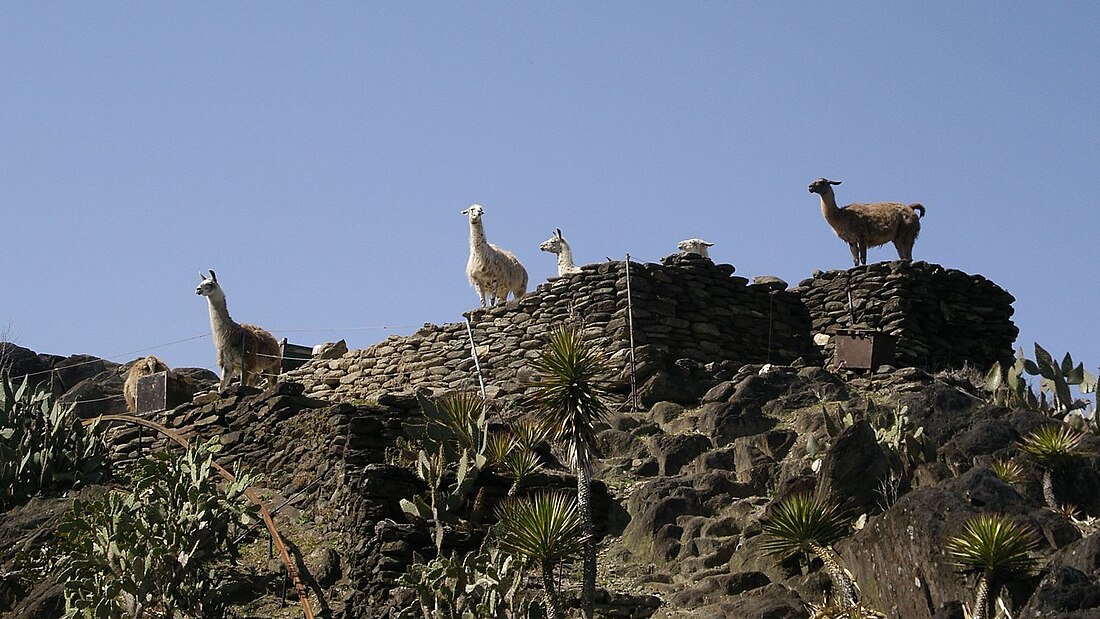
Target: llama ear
834,182
213,276
557,231
708,244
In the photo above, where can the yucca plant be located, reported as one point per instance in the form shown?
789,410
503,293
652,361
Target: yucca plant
801,524
512,457
995,547
499,445
1052,445
1008,471
569,398
545,529
529,433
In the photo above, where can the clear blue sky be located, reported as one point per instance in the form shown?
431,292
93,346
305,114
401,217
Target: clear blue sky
317,155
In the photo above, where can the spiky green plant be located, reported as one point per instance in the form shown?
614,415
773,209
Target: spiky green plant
155,545
1052,445
453,436
801,524
464,412
529,433
500,444
995,547
520,464
512,456
43,444
546,529
570,399
1008,471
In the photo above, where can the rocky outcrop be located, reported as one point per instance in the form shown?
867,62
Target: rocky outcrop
737,409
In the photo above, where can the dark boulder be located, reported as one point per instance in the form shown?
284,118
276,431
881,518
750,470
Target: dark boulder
673,452
853,468
725,422
1064,592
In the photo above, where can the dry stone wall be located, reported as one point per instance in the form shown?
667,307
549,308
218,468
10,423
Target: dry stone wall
687,311
940,317
684,308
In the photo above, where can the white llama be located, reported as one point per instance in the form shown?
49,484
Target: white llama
493,272
557,245
243,350
698,247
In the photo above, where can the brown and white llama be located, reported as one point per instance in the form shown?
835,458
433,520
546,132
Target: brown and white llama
492,271
245,351
870,225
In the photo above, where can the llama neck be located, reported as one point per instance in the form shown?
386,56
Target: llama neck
565,258
477,236
222,326
829,209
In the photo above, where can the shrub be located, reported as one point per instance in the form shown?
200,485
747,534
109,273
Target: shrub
43,445
154,546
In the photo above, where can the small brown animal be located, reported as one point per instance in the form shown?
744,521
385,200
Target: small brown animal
141,367
870,225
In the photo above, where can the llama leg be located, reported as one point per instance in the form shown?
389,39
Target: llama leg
854,248
904,246
899,245
862,253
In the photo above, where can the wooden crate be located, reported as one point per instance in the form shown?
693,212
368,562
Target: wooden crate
862,349
294,355
162,391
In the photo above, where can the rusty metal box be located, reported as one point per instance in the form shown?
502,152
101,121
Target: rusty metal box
863,349
161,391
294,355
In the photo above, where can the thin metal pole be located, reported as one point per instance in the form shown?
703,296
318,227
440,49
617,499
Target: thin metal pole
630,330
771,313
851,305
473,352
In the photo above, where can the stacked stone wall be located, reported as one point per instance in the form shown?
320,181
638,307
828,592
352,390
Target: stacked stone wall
941,317
684,308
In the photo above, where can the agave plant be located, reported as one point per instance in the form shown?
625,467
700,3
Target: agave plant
513,456
801,524
1052,445
1008,471
454,438
569,398
546,529
995,547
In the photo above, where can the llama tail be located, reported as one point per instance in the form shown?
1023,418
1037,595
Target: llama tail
919,208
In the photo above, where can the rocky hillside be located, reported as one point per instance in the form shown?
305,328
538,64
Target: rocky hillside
686,484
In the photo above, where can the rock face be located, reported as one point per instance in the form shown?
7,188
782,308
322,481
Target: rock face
733,398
